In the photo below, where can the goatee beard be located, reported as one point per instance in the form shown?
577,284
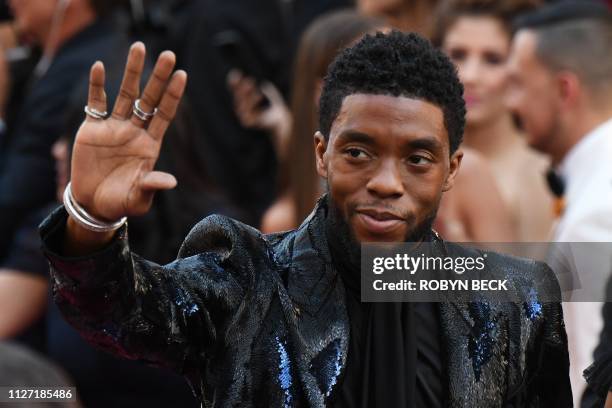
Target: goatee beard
347,248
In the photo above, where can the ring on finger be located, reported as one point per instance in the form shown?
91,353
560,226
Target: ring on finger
141,114
94,113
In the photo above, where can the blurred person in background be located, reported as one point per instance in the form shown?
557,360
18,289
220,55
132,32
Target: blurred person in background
405,15
476,34
561,82
72,35
258,38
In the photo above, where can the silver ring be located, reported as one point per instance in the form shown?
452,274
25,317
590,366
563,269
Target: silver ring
140,114
94,113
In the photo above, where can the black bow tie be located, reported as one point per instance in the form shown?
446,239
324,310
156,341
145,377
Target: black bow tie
555,183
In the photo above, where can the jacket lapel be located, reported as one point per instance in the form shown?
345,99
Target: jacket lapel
314,303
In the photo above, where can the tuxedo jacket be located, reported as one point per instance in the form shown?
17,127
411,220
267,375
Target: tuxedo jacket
261,321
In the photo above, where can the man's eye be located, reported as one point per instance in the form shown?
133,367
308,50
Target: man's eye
419,160
356,153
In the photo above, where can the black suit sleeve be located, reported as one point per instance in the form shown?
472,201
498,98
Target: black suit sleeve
170,315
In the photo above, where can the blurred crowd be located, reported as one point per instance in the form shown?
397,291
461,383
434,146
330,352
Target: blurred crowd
537,163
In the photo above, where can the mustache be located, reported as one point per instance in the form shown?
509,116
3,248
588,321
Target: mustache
406,216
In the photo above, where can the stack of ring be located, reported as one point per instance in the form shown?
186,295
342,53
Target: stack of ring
142,115
94,113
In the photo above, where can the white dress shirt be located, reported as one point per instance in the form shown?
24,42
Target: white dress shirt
587,172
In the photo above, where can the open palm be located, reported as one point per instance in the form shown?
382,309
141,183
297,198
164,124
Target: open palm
113,159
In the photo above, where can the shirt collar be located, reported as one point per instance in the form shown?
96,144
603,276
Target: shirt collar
579,159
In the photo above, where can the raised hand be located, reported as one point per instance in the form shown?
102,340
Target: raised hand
112,162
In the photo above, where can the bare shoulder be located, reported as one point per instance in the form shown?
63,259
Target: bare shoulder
475,170
280,216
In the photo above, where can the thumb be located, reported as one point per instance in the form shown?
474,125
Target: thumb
157,180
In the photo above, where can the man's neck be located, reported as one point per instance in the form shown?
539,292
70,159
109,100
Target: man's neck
589,121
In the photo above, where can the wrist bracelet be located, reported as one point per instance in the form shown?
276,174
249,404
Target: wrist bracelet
86,220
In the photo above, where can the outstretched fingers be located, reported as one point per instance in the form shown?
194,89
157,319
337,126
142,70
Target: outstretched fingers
130,85
168,105
156,85
96,100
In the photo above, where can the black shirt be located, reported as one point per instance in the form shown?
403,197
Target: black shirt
429,380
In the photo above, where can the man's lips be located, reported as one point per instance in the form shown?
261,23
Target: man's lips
379,222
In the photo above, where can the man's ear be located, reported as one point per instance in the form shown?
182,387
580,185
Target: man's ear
321,154
455,163
569,89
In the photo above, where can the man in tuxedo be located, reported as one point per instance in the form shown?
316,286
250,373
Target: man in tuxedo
561,75
277,320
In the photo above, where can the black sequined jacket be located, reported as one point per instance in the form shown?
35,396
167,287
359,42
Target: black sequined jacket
260,321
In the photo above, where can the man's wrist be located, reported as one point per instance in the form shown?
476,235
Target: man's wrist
80,241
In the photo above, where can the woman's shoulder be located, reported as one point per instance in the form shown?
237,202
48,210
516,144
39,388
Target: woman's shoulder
280,216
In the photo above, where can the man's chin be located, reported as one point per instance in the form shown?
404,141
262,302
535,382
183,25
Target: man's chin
363,235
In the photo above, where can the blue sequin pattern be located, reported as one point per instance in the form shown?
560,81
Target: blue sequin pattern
184,305
336,368
333,366
284,374
481,343
533,307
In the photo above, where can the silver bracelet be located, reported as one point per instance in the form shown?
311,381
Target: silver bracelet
86,220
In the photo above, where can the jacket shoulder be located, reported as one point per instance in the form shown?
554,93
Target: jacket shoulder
531,280
226,237
527,279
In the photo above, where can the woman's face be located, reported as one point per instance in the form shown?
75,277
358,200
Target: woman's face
479,47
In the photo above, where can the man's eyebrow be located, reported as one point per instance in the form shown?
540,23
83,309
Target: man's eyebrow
355,136
426,142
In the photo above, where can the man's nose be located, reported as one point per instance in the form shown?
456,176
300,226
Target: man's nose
387,181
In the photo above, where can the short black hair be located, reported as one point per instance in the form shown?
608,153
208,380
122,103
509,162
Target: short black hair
574,36
396,64
562,12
